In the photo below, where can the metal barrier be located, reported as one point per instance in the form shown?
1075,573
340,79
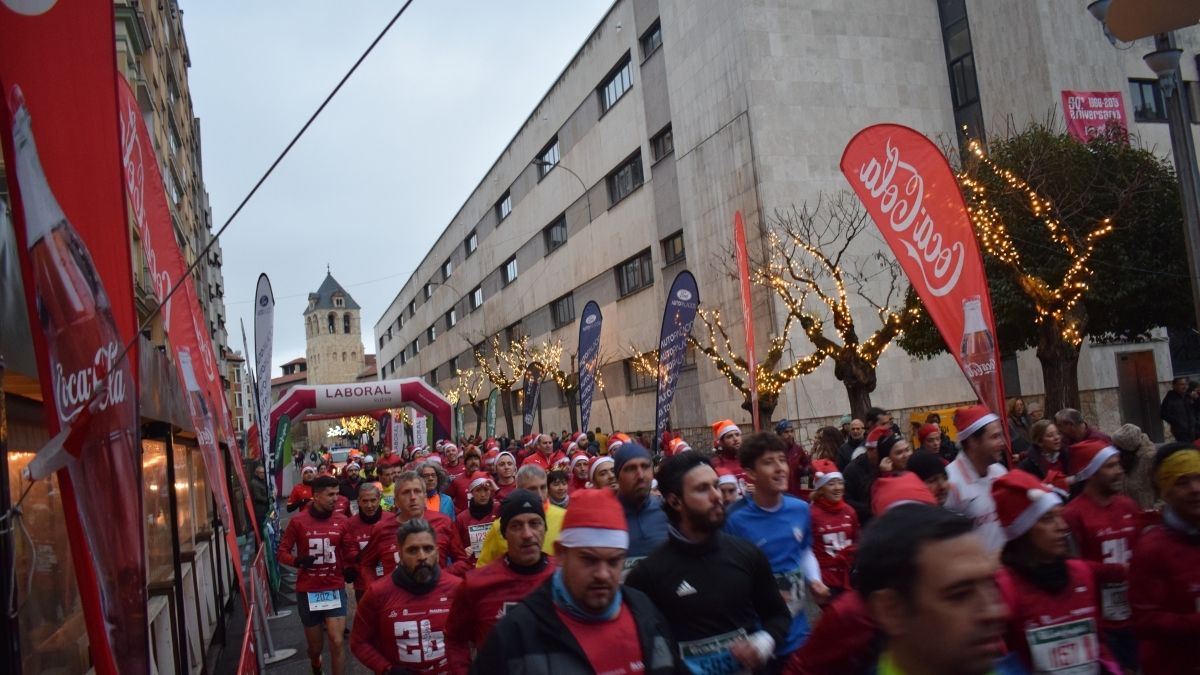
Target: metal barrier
261,611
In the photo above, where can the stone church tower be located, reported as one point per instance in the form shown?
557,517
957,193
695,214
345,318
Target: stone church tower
333,338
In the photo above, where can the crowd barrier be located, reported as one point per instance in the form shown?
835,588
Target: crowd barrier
258,650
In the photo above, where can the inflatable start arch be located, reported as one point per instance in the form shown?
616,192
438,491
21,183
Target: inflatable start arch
330,400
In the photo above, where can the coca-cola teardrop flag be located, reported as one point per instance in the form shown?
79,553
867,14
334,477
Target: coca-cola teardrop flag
683,301
743,266
912,195
589,356
62,152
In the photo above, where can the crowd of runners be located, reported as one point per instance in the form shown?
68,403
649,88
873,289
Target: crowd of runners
871,551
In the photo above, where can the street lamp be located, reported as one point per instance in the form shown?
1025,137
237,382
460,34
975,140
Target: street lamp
543,164
1164,61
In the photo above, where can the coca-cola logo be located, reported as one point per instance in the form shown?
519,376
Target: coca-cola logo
74,389
979,369
901,199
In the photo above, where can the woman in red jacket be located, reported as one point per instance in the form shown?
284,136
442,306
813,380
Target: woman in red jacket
834,526
472,523
1054,614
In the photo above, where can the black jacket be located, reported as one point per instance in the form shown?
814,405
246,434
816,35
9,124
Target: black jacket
860,476
1176,410
845,454
532,640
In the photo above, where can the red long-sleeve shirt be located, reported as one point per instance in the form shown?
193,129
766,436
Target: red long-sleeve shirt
382,553
845,640
459,491
395,627
1106,534
1164,592
482,600
315,535
354,541
835,532
467,537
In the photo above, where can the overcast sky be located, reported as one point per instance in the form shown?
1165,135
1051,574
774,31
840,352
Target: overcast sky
379,175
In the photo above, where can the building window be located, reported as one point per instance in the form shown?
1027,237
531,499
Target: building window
476,298
625,179
651,40
637,380
346,323
508,273
673,250
381,341
415,347
555,234
431,334
447,270
547,159
332,323
1148,102
453,365
433,377
562,311
635,274
451,318
960,64
428,291
339,301
504,206
403,357
471,243
412,308
663,144
615,85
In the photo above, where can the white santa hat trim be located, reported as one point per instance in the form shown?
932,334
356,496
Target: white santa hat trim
479,481
599,463
978,424
727,479
1097,462
579,458
727,429
1041,502
514,457
580,537
825,478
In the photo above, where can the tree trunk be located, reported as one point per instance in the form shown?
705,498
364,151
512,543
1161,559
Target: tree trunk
858,376
612,426
766,408
507,404
573,410
1060,368
478,407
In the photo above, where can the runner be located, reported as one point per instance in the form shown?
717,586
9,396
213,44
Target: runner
1104,525
381,554
533,479
781,527
302,492
348,485
727,441
387,482
358,533
835,527
931,469
543,453
973,470
558,485
310,544
459,490
400,624
581,620
645,520
488,592
601,474
731,490
716,590
579,472
799,463
436,481
474,522
506,474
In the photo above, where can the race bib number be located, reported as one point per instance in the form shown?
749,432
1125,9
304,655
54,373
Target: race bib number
1064,649
791,587
1114,601
711,656
417,642
322,600
354,508
834,543
476,533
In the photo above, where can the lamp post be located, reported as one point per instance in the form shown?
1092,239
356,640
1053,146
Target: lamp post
541,163
1164,61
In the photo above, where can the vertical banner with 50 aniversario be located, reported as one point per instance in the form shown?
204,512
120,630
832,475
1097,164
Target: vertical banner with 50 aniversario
914,198
683,301
62,151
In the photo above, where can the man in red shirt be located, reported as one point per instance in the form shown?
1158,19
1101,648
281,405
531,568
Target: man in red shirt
459,489
506,474
400,623
489,591
316,534
799,463
471,525
389,458
381,554
727,441
358,533
1164,577
1104,525
582,620
452,462
301,493
543,454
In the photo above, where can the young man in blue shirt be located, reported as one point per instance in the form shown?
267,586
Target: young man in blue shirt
780,526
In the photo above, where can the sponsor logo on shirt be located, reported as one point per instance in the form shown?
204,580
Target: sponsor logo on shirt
685,589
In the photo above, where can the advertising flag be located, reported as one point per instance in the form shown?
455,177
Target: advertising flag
264,334
492,401
531,387
1089,113
743,266
420,427
683,300
913,197
459,423
589,357
62,154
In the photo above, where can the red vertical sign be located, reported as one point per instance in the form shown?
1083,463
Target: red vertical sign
743,264
60,136
913,197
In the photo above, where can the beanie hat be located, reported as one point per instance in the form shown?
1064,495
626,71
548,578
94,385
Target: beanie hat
926,465
596,463
353,466
721,428
628,451
480,478
1089,456
616,440
369,459
926,431
1128,437
1021,499
308,468
972,419
824,470
903,488
676,446
782,426
517,502
579,457
885,444
846,419
877,434
594,519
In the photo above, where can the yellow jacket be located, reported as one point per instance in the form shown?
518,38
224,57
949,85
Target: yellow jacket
495,545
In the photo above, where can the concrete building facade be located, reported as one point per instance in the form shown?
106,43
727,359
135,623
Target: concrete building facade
673,115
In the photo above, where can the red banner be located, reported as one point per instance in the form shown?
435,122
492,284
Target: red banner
1089,113
913,197
743,265
61,147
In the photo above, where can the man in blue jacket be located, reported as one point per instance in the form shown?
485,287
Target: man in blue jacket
643,511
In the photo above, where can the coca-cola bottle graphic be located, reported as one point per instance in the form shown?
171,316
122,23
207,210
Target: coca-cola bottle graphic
82,342
978,352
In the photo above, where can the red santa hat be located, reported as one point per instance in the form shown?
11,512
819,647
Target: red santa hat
721,428
448,446
972,419
595,465
579,457
434,458
480,478
490,444
926,431
726,477
824,470
561,463
440,442
676,446
1021,499
616,440
1089,456
594,519
877,434
903,488
489,457
528,440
